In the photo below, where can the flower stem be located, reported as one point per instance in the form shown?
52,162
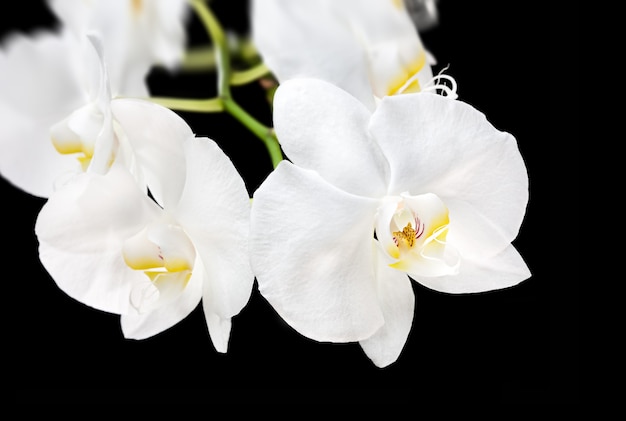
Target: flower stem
266,134
216,33
202,57
222,57
212,105
198,59
247,76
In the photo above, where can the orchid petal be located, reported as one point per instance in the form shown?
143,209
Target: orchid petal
503,270
28,159
384,235
160,289
219,329
155,135
136,35
396,72
31,102
32,91
323,128
311,250
81,232
169,41
166,314
393,46
446,147
302,38
214,209
397,301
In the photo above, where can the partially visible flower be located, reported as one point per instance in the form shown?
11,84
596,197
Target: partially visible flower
136,34
108,245
58,122
45,78
424,186
56,85
370,48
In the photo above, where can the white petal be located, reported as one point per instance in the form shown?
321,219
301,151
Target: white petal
302,38
384,215
311,250
323,128
159,290
214,210
28,158
136,35
81,230
219,330
142,326
74,15
57,90
177,250
395,73
31,101
156,135
169,39
397,302
501,271
472,233
393,46
446,147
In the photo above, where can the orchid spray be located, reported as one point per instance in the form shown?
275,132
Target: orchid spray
381,175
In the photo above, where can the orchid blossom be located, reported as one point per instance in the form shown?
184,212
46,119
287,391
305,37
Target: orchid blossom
55,87
32,101
423,186
369,48
107,244
378,181
136,34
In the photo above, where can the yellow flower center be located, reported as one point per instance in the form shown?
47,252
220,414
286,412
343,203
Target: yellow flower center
406,80
407,235
412,230
398,4
78,133
136,6
166,255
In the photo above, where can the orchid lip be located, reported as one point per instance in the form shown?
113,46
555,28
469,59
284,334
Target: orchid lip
77,133
412,230
167,256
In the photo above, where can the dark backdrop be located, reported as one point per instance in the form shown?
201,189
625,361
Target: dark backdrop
513,345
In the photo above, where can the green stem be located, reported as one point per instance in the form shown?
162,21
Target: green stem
198,59
216,33
212,105
263,132
222,56
202,57
247,76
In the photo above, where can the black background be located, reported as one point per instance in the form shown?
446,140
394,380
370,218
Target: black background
515,62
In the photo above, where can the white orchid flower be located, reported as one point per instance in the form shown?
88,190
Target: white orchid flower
58,122
53,81
423,186
45,78
108,245
370,48
136,34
